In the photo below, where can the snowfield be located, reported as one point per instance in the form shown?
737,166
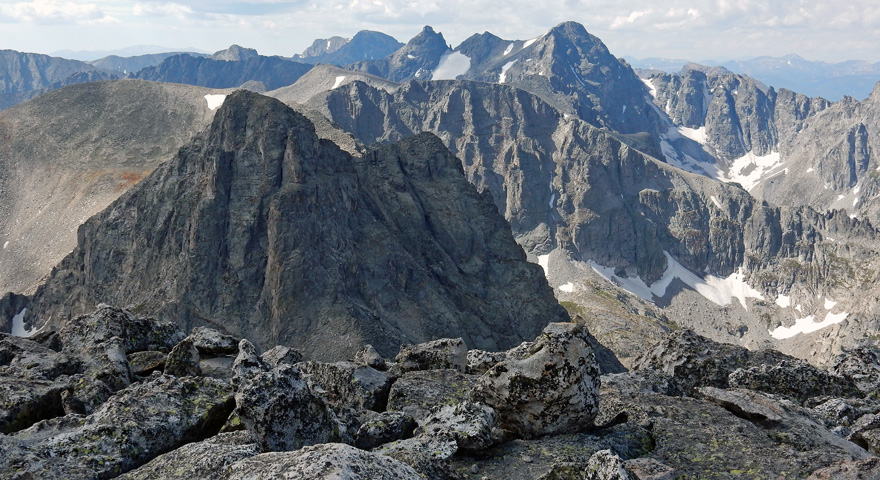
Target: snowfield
451,66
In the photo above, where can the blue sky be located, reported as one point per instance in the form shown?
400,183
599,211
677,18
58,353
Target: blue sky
694,30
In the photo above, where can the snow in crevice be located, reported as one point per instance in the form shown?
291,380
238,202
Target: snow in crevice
452,64
5,245
718,290
696,134
715,201
807,325
214,101
503,76
783,301
508,49
338,82
544,262
552,197
651,88
529,42
18,325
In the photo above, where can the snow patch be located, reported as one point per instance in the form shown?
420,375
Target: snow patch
750,169
18,325
799,308
503,76
807,325
783,301
829,304
809,169
451,65
338,82
544,262
715,201
696,134
855,201
529,42
720,291
568,287
5,245
508,49
410,56
652,89
214,101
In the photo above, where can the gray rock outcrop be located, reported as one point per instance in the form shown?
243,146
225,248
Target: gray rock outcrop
544,387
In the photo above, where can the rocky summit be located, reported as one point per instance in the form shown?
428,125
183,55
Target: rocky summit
114,394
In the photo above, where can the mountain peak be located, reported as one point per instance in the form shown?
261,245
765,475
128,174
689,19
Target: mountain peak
235,53
570,29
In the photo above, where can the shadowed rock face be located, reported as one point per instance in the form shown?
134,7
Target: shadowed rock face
260,227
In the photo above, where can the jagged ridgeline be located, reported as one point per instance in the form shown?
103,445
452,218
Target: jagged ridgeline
260,227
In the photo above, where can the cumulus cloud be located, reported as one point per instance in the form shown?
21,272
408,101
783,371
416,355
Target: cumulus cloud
169,9
54,12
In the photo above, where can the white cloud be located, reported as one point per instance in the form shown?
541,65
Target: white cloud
54,12
169,9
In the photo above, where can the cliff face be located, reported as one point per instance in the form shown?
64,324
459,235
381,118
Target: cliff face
568,187
271,72
264,229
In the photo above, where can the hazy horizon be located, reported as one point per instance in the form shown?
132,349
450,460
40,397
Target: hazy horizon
718,30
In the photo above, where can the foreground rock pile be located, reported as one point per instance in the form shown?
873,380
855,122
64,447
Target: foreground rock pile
112,394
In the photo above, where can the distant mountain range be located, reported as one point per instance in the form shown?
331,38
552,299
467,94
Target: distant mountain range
831,81
695,191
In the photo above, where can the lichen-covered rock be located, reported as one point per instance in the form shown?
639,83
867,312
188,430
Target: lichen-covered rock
641,382
862,366
84,395
348,384
470,424
437,447
207,459
867,469
211,342
417,393
105,322
247,363
37,359
605,465
384,428
480,361
25,401
132,427
370,357
696,361
280,412
866,433
280,355
544,387
743,403
438,354
146,362
183,360
646,468
332,461
796,380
